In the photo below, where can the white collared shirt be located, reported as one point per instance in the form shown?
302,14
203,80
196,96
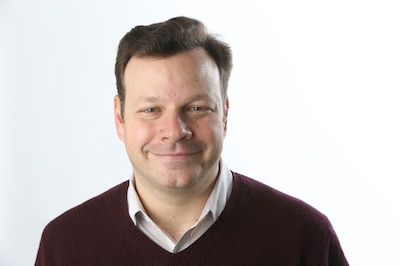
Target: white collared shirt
212,209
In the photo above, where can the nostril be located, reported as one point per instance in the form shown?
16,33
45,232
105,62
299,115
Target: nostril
175,129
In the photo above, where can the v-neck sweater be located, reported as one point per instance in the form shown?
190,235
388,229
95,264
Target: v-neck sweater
259,226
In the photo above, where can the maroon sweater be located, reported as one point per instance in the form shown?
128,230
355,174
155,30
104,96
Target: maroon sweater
259,226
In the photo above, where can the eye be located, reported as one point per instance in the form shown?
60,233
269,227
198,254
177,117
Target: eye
150,110
197,108
198,111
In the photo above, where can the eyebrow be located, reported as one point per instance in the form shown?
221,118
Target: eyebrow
200,96
147,99
153,99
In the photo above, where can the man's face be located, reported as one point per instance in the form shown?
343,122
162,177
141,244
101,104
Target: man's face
174,123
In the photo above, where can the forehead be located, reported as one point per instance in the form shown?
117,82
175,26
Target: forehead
194,64
182,74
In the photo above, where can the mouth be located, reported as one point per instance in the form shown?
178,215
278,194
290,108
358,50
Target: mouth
176,156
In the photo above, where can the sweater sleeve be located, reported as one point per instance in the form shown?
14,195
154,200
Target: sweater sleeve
45,256
334,252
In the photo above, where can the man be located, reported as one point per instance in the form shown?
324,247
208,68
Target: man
183,206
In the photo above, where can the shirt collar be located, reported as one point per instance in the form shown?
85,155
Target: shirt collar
215,204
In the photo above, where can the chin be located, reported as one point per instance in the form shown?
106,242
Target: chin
181,178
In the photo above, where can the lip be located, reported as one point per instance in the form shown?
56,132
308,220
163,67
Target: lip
177,156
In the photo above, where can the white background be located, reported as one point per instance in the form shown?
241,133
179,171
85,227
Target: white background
314,109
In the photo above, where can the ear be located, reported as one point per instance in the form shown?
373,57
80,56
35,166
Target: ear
226,109
118,119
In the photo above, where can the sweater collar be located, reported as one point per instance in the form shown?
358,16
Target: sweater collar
215,203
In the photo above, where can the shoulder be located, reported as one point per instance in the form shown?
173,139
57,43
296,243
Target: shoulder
82,233
278,207
103,207
278,227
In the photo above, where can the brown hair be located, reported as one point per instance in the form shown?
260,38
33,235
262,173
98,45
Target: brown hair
168,38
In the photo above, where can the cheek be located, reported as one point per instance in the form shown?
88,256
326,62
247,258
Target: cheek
137,135
213,131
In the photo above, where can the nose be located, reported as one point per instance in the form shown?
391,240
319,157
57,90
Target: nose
174,128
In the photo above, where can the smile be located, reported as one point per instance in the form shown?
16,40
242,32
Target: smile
182,156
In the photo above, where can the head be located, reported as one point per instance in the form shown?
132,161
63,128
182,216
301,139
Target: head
172,105
168,38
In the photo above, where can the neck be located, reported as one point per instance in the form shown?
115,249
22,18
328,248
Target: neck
174,211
